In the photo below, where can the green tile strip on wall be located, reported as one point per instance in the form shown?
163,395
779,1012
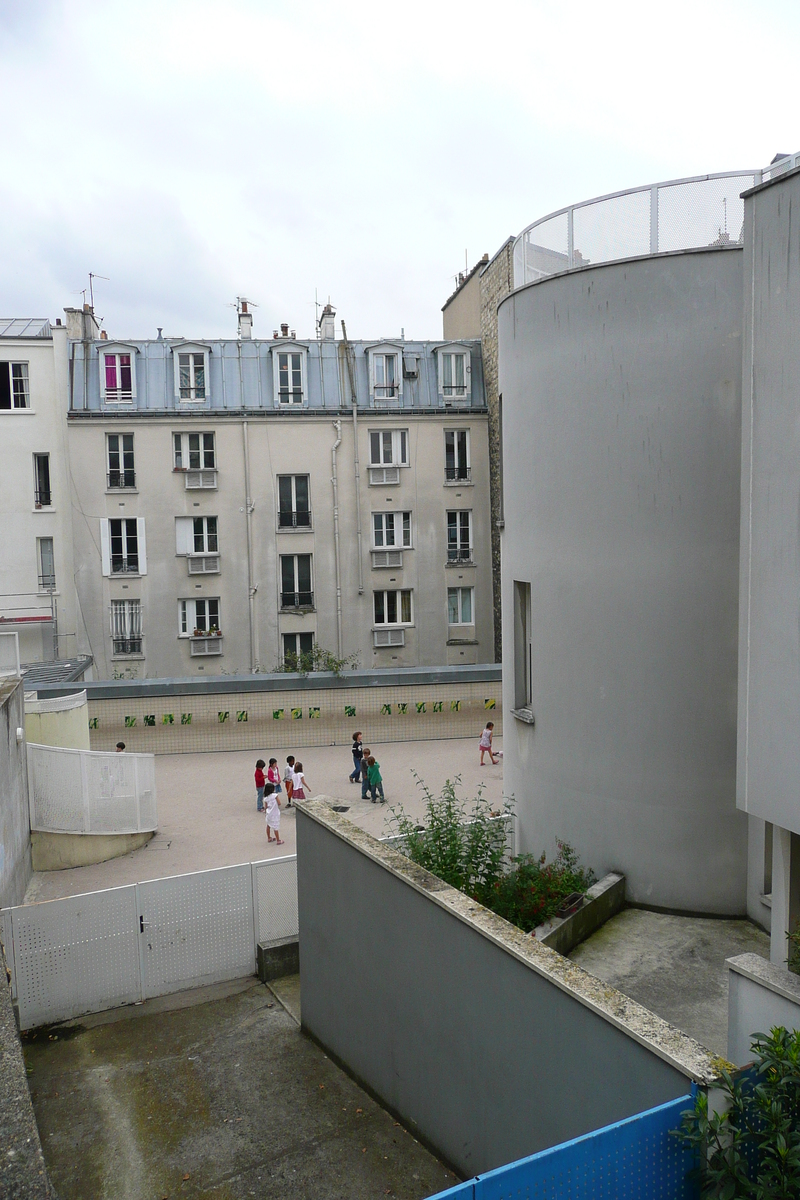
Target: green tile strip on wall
149,719
455,706
168,719
277,714
438,706
349,710
241,715
313,712
386,710
489,703
297,714
222,717
402,709
186,718
94,722
130,722
421,706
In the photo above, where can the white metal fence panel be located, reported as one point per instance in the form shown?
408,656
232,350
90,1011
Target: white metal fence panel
7,937
89,791
196,929
275,899
75,955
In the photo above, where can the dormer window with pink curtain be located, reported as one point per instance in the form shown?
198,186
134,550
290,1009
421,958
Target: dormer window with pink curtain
118,377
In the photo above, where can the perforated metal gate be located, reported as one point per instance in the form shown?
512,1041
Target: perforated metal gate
103,949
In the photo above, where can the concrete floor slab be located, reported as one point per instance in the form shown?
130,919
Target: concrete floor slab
207,810
675,966
225,1098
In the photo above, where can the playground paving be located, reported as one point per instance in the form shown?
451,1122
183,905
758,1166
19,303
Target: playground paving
207,808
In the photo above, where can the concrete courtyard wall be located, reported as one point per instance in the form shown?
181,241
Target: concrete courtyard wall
15,827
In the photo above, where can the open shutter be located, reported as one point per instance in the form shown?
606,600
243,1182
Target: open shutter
105,546
142,546
184,535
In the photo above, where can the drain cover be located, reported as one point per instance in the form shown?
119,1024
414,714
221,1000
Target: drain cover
340,807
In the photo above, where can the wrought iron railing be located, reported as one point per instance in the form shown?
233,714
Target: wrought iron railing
121,479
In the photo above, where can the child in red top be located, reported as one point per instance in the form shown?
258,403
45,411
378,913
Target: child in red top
260,784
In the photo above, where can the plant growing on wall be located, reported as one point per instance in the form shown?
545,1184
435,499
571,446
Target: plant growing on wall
535,889
793,961
316,659
751,1151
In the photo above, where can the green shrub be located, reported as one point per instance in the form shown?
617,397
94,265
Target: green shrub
752,1150
534,890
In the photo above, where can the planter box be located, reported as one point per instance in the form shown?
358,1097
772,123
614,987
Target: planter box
603,900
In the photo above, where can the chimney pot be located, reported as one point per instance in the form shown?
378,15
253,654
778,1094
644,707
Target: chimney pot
284,329
244,306
103,335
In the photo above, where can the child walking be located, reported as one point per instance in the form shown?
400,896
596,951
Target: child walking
288,781
358,754
273,814
486,743
365,773
299,782
260,781
375,780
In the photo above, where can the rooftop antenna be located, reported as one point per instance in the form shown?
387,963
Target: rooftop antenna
725,211
317,307
91,289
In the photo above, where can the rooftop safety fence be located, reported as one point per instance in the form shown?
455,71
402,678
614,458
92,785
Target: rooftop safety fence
681,214
90,791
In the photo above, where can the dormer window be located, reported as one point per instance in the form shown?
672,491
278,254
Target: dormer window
386,374
191,373
118,374
454,373
289,374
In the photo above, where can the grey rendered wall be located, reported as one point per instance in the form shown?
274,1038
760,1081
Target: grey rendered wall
485,1058
15,829
760,996
621,409
769,660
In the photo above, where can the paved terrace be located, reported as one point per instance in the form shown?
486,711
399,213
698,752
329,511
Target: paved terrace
207,807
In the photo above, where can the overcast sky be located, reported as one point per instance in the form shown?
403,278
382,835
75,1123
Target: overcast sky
196,150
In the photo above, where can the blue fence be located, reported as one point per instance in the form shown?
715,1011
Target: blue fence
635,1159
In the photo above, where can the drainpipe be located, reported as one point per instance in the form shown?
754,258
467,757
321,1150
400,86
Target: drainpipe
337,425
251,591
354,400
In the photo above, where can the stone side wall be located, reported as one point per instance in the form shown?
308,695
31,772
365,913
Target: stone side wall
497,280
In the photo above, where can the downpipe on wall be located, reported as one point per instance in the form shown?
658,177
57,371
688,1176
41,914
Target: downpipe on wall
337,425
251,591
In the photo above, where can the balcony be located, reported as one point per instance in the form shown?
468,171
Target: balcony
203,564
458,474
121,479
125,566
203,477
459,556
127,645
204,644
294,520
302,601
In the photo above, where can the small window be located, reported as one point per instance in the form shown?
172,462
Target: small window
192,376
298,651
121,473
290,377
14,392
47,563
385,374
42,496
124,538
388,447
391,529
118,378
205,535
459,536
194,451
453,366
460,606
126,626
392,607
296,591
198,617
294,511
522,645
456,456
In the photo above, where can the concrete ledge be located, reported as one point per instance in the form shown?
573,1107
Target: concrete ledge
60,851
603,900
277,961
761,995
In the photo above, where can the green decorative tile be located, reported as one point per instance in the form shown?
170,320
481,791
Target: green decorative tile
489,703
168,719
242,716
421,707
402,709
438,705
130,722
297,714
222,717
313,712
455,706
277,714
186,718
149,719
349,710
386,710
94,722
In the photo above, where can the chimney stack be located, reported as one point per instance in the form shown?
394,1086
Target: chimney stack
245,320
284,329
327,323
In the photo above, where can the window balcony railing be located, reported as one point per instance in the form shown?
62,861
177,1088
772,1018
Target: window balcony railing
297,599
125,566
459,554
42,497
118,396
47,582
301,519
128,645
458,474
121,479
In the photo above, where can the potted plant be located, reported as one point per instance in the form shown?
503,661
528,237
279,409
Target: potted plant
197,633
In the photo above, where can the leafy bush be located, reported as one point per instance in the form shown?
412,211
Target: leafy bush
534,890
751,1151
466,847
316,659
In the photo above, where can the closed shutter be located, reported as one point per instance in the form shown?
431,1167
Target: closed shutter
142,546
105,546
184,535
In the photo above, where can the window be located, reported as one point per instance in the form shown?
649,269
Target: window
194,451
453,367
14,391
198,617
290,377
47,563
122,546
42,496
384,370
121,473
297,651
126,626
205,535
393,607
391,529
522,645
388,447
459,606
459,536
117,378
192,376
293,507
456,456
296,581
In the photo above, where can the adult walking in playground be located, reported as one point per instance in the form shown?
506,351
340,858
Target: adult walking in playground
358,754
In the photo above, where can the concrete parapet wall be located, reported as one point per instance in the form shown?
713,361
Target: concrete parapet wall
58,721
59,851
247,712
489,1045
15,826
760,996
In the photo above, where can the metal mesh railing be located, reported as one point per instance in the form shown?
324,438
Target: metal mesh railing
87,791
682,214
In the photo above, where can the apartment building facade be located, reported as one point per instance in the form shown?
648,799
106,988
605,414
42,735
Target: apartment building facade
242,500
